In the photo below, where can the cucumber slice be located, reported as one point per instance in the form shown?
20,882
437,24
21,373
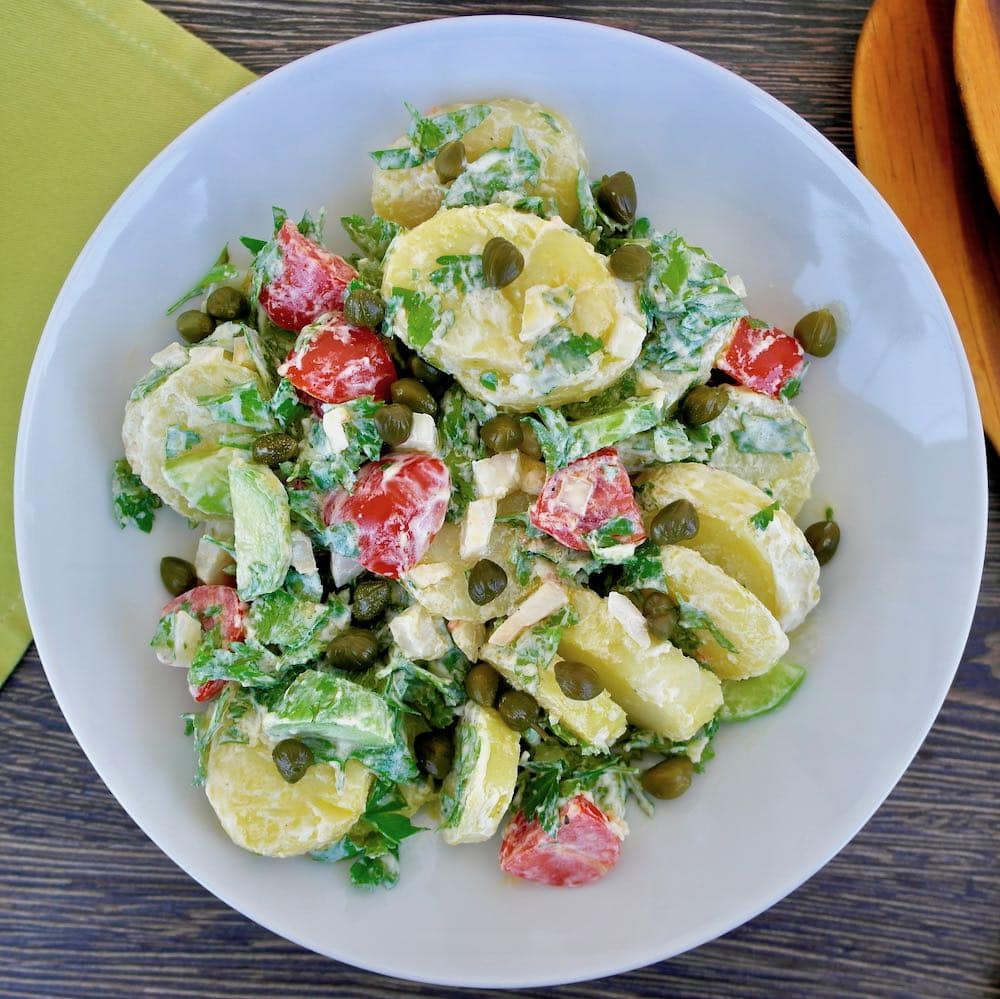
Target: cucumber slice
743,699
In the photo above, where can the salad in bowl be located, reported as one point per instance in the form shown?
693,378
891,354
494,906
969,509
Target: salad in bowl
494,520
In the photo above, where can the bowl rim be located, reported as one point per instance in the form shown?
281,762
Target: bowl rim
852,178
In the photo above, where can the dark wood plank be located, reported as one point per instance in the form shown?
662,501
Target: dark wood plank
88,906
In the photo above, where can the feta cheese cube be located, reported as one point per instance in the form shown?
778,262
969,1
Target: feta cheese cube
630,618
344,569
429,573
333,426
547,599
211,563
172,356
241,352
187,638
303,558
469,636
533,475
616,553
418,634
477,528
423,435
498,475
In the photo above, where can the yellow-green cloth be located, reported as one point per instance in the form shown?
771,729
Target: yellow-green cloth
90,91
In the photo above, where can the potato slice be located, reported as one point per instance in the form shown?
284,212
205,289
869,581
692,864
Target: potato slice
562,331
774,562
734,610
411,196
478,791
263,813
660,688
767,442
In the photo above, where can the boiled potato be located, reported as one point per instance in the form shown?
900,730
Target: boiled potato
412,195
767,442
773,562
479,789
733,609
263,813
194,483
660,688
562,331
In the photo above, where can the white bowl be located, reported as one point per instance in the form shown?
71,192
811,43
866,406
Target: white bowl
893,412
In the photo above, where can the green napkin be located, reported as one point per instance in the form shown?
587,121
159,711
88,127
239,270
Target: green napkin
90,91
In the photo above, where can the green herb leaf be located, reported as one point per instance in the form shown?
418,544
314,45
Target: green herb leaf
253,244
220,272
371,236
768,435
428,135
496,175
489,380
463,272
762,518
241,405
133,502
422,315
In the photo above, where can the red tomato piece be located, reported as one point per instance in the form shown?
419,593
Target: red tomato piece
584,496
584,849
338,362
213,605
309,281
398,506
764,359
207,691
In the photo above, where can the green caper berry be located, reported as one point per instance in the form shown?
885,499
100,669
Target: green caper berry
363,307
293,758
529,442
502,262
616,197
669,779
703,404
411,393
817,332
371,598
656,602
273,449
227,303
487,581
435,752
449,161
194,325
662,625
824,539
578,681
676,522
354,649
502,433
482,684
518,710
394,422
630,262
178,575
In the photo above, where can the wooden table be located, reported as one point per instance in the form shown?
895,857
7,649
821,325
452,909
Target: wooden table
88,906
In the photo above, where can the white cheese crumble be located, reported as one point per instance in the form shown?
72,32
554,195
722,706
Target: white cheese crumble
630,618
344,569
303,558
469,636
187,637
333,426
547,599
498,475
172,356
477,527
423,435
416,633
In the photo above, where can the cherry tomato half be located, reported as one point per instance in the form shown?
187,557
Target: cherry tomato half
764,359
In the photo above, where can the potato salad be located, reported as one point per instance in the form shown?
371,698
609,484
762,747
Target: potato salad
493,519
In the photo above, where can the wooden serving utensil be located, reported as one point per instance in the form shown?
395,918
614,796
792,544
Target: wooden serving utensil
913,145
977,69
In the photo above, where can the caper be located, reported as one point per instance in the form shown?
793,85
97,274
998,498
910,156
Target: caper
502,262
616,197
449,161
669,779
630,262
410,392
227,303
363,307
394,423
502,433
435,752
371,598
482,684
518,709
703,404
817,332
529,442
487,581
677,521
273,449
823,538
578,681
427,373
654,602
354,649
662,625
293,758
178,575
194,325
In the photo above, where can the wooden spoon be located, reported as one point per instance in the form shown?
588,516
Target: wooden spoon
913,145
977,69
